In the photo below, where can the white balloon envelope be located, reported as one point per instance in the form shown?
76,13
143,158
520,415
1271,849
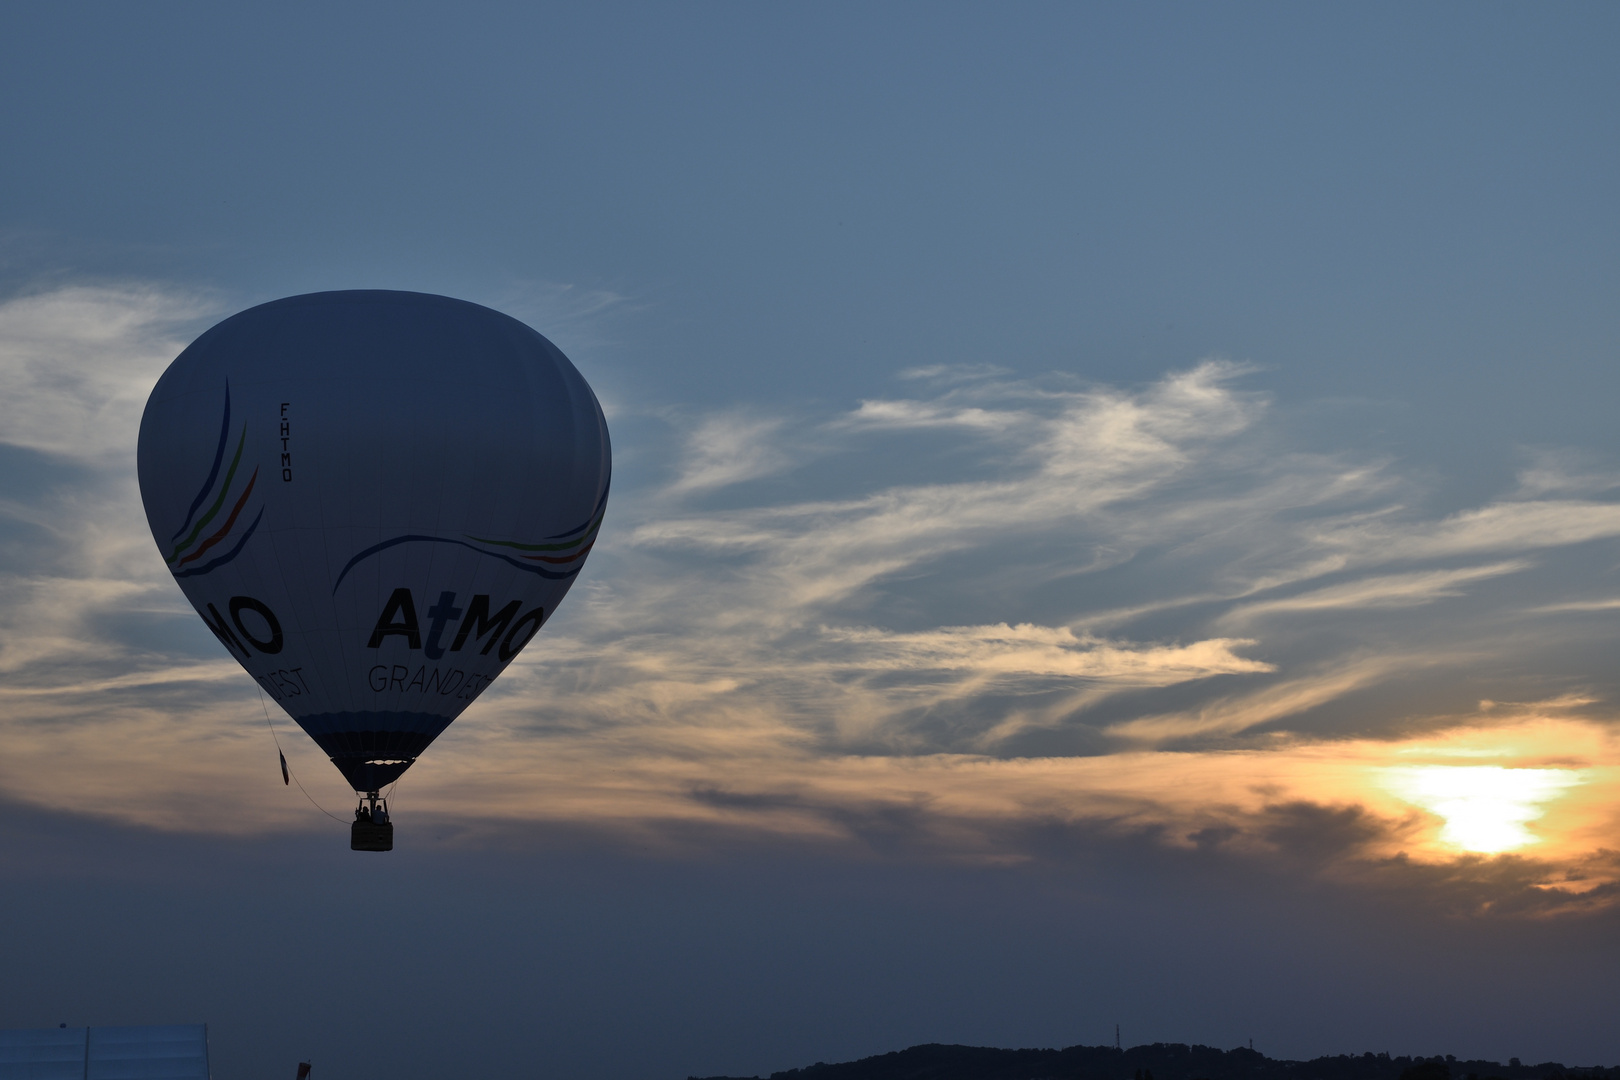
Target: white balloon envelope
374,500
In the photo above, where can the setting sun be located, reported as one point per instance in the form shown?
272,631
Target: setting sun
1486,808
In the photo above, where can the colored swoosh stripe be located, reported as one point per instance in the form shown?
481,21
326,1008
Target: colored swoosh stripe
203,521
592,527
577,543
213,474
235,512
580,554
596,513
413,539
228,556
184,553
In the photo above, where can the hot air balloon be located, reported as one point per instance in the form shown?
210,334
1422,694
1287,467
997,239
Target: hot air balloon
374,500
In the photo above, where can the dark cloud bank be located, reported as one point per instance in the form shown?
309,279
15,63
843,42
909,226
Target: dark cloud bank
566,954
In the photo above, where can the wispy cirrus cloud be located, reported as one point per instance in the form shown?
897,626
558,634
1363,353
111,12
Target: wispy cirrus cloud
1282,700
1526,525
729,449
77,363
1377,591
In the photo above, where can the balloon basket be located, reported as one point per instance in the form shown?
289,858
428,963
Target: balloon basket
371,831
371,837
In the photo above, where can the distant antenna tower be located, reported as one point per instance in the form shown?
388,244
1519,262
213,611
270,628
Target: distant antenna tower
1116,1037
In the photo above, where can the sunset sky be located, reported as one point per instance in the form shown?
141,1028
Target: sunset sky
1116,519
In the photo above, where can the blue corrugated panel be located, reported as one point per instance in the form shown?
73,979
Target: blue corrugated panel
45,1054
173,1052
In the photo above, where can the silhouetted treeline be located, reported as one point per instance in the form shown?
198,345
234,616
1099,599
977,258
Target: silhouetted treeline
1166,1061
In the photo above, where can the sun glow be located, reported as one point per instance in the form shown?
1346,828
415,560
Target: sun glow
1486,808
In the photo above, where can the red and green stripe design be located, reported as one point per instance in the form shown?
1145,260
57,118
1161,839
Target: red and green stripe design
557,557
200,536
559,553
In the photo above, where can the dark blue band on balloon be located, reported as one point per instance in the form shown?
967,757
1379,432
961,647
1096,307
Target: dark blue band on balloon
228,556
372,749
213,474
381,722
556,575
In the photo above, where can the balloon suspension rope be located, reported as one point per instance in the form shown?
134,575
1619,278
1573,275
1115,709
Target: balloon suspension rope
290,773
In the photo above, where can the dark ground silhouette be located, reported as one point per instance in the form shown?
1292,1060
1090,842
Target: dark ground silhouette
1166,1061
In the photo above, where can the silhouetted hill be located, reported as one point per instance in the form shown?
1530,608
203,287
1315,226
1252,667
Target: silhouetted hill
1166,1061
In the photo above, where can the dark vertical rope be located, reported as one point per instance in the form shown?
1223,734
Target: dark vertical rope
294,775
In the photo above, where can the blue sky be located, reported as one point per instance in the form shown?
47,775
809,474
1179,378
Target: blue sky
1115,521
